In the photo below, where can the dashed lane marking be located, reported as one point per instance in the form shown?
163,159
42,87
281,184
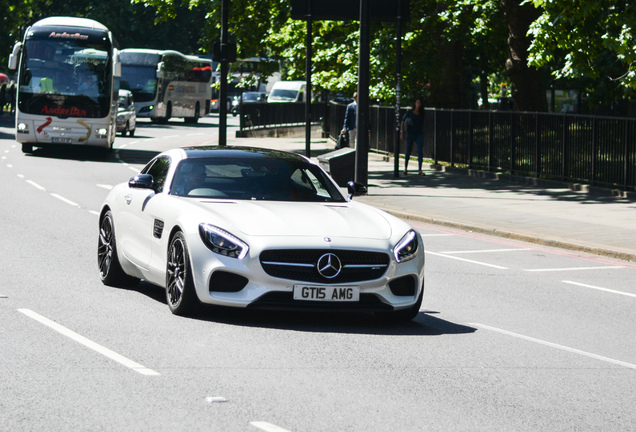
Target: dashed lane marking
268,427
575,269
557,346
467,260
89,343
599,288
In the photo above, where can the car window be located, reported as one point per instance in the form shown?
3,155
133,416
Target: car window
253,179
159,171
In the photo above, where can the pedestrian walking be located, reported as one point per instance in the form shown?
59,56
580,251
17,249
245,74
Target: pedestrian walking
412,131
3,97
349,127
11,95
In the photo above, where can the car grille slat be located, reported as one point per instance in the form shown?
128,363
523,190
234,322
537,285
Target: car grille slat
300,265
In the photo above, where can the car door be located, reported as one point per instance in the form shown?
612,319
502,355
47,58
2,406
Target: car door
137,222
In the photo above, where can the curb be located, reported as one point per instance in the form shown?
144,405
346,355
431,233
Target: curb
493,231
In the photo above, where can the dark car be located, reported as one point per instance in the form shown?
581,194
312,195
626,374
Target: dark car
248,97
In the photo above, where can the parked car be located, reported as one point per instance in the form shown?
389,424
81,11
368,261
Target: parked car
287,91
215,107
261,229
126,115
248,97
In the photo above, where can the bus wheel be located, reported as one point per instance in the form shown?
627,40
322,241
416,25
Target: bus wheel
27,148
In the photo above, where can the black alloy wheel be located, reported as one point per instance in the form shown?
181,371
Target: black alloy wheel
180,292
110,271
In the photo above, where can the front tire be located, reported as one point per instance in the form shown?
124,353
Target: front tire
110,271
180,293
27,148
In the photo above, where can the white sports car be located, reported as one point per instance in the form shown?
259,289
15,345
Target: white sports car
255,228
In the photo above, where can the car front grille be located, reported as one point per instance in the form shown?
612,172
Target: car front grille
302,265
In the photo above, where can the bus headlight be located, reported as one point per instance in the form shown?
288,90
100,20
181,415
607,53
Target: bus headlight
23,128
101,133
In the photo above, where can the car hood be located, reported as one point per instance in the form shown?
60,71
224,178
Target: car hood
270,218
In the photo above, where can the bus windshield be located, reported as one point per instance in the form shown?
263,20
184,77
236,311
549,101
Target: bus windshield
138,71
65,76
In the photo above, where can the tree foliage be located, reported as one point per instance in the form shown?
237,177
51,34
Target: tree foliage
454,52
589,43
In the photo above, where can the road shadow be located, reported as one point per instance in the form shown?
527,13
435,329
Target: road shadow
425,324
94,154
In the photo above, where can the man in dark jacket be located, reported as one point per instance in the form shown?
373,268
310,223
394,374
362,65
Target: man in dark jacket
350,121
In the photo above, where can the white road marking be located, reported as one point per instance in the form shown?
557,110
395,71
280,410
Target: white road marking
599,288
575,268
9,166
89,343
437,235
67,201
34,184
215,399
467,260
103,186
486,251
195,134
94,212
557,346
268,427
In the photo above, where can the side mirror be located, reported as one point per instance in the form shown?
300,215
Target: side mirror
141,181
356,189
15,56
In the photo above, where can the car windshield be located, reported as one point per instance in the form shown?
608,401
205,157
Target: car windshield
254,179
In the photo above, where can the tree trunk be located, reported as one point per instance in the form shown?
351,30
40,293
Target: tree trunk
528,83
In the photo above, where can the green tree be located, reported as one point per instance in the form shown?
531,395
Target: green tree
589,44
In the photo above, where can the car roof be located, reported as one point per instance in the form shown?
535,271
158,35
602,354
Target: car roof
242,152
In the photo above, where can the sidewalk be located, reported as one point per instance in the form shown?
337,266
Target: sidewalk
598,220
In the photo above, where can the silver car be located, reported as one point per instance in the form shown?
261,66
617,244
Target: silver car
126,115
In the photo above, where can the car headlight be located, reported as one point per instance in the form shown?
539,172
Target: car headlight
222,242
120,118
406,248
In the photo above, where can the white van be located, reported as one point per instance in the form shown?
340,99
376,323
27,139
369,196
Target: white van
287,91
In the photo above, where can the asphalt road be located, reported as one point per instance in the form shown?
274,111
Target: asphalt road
511,336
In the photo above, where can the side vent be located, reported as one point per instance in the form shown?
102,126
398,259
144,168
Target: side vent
157,230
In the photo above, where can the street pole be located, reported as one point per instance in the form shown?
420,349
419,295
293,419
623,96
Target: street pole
362,117
308,85
398,95
224,72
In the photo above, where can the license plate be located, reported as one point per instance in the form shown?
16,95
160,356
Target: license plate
326,293
62,140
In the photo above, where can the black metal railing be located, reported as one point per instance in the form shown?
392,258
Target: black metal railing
581,148
264,115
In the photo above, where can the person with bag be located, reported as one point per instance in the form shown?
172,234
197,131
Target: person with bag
349,127
413,126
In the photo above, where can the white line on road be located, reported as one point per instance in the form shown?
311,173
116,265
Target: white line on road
467,260
89,343
437,235
67,201
575,268
268,427
34,184
486,251
553,345
599,288
103,186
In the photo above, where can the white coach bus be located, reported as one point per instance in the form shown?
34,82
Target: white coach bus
67,91
167,83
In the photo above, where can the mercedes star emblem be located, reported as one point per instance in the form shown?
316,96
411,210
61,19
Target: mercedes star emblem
329,266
